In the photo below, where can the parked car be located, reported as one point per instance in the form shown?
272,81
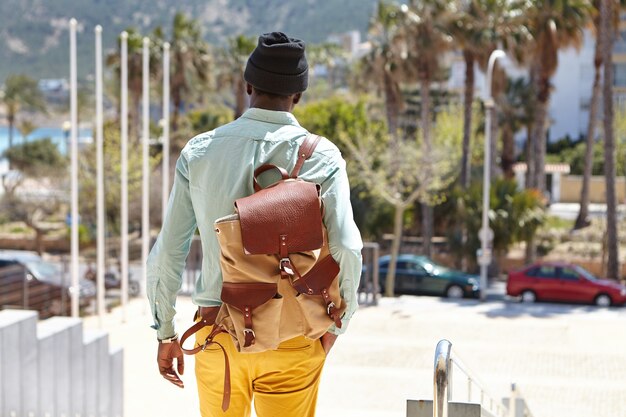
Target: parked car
559,281
113,282
421,275
29,282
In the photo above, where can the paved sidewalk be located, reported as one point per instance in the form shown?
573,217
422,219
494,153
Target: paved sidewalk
567,361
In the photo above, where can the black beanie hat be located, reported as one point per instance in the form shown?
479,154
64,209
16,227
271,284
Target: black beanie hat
278,65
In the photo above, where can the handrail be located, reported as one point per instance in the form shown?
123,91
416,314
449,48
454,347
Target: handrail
494,405
443,385
442,369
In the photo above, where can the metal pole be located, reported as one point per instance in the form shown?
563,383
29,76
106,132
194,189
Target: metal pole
166,129
442,367
124,173
145,190
485,231
74,170
100,178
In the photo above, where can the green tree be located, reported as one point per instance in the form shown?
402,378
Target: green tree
190,61
427,40
385,65
39,161
20,94
514,216
583,214
553,24
607,11
112,172
232,64
477,27
402,170
135,73
516,111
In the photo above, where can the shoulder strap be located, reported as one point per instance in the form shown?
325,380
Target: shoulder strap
304,152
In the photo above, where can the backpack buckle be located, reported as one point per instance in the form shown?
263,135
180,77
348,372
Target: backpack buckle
285,265
246,330
330,306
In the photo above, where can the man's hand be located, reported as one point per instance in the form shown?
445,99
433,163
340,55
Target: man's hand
328,340
165,358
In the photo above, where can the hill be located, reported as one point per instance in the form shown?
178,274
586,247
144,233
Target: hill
34,33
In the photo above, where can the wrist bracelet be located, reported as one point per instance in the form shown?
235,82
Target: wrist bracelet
169,339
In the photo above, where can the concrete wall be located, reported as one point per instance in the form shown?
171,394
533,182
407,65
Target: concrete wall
53,369
571,186
424,408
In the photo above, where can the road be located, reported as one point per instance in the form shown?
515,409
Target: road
568,361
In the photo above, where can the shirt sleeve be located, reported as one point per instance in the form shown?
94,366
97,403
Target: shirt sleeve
168,256
344,239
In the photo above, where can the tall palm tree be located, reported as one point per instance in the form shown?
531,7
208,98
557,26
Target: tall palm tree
553,24
583,214
232,64
516,110
190,61
427,38
20,93
135,73
476,28
607,11
386,63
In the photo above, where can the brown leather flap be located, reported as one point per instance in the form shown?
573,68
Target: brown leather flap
289,212
248,294
321,276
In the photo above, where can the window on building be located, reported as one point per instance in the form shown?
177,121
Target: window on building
620,74
620,42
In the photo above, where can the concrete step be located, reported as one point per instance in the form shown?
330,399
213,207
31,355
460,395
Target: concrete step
54,369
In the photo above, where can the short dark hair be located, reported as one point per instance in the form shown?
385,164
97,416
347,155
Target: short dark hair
270,95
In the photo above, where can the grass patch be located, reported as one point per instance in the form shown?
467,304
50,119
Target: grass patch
557,223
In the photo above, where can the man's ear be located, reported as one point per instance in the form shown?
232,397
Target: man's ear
249,89
296,98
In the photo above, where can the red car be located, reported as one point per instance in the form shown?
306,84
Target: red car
557,281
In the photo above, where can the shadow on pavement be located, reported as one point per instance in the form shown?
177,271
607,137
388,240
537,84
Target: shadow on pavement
511,308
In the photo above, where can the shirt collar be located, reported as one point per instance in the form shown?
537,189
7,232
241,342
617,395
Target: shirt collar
271,116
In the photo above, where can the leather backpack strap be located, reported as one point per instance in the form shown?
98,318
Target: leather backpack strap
255,184
304,152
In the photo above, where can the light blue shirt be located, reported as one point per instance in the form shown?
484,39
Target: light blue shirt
213,170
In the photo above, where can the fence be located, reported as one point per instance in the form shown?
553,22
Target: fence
54,369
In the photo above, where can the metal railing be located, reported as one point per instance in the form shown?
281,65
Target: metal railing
444,365
442,371
369,290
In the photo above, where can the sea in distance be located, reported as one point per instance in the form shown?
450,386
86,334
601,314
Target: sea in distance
56,135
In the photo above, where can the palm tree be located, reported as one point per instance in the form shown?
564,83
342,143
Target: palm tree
553,24
385,65
607,11
583,214
190,61
475,29
516,110
427,39
20,93
135,73
233,62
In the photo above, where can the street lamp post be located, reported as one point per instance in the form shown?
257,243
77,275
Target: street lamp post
486,234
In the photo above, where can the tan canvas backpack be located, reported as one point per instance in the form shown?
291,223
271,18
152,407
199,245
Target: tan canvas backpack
279,278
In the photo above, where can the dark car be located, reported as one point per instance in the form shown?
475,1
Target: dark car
29,282
112,281
421,275
558,281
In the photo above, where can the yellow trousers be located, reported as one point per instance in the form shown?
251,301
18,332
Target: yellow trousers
284,382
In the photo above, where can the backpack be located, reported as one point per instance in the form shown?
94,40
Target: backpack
279,278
